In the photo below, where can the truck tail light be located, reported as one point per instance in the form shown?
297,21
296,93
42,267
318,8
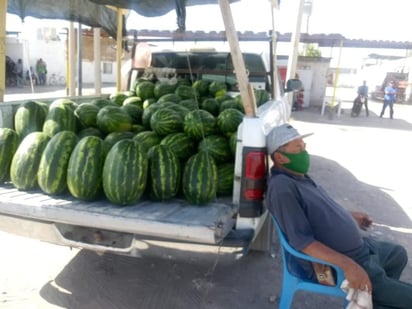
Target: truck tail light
255,175
253,181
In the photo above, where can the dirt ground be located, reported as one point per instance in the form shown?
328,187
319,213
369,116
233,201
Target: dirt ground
363,162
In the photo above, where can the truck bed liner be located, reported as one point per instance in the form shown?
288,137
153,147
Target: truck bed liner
175,220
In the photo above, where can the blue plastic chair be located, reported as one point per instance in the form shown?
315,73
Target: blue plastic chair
294,278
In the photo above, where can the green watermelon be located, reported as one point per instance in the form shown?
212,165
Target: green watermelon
170,97
29,117
190,104
87,114
134,101
9,141
231,103
233,143
52,171
60,117
147,139
134,111
118,97
225,176
180,144
187,92
164,173
202,87
145,90
162,88
90,132
199,179
125,173
217,146
166,121
112,138
211,105
113,119
84,171
229,120
217,88
100,103
26,160
199,123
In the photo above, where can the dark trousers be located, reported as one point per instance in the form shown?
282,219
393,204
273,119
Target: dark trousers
387,103
366,106
384,264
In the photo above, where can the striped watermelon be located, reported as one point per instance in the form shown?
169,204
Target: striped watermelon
113,119
233,143
211,105
169,97
217,146
26,160
87,114
225,176
111,139
164,173
199,123
145,90
135,112
181,144
147,139
134,101
162,88
84,171
9,141
60,117
29,117
229,120
52,172
199,179
125,173
190,104
166,121
90,132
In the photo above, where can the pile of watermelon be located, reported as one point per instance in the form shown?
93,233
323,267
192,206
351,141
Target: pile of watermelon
158,142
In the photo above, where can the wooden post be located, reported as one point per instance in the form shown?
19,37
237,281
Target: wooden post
3,14
97,61
119,49
248,98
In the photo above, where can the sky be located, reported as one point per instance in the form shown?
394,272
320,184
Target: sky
354,19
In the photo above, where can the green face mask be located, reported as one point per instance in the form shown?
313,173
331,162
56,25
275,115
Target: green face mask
299,162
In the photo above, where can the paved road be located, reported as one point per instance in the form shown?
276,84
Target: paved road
363,162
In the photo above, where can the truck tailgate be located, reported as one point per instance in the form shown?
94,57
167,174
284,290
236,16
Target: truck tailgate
174,220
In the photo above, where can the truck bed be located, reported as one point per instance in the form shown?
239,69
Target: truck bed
174,220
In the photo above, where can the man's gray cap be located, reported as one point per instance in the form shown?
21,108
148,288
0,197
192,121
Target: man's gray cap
280,136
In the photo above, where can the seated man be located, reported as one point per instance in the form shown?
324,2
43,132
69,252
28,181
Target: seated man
316,225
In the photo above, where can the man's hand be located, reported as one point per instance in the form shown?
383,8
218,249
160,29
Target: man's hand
363,220
357,277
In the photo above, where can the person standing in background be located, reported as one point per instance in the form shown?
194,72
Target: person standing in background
389,98
363,91
41,69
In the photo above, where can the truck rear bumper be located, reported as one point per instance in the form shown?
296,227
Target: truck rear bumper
102,226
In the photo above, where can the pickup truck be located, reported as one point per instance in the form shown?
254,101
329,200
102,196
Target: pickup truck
239,221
